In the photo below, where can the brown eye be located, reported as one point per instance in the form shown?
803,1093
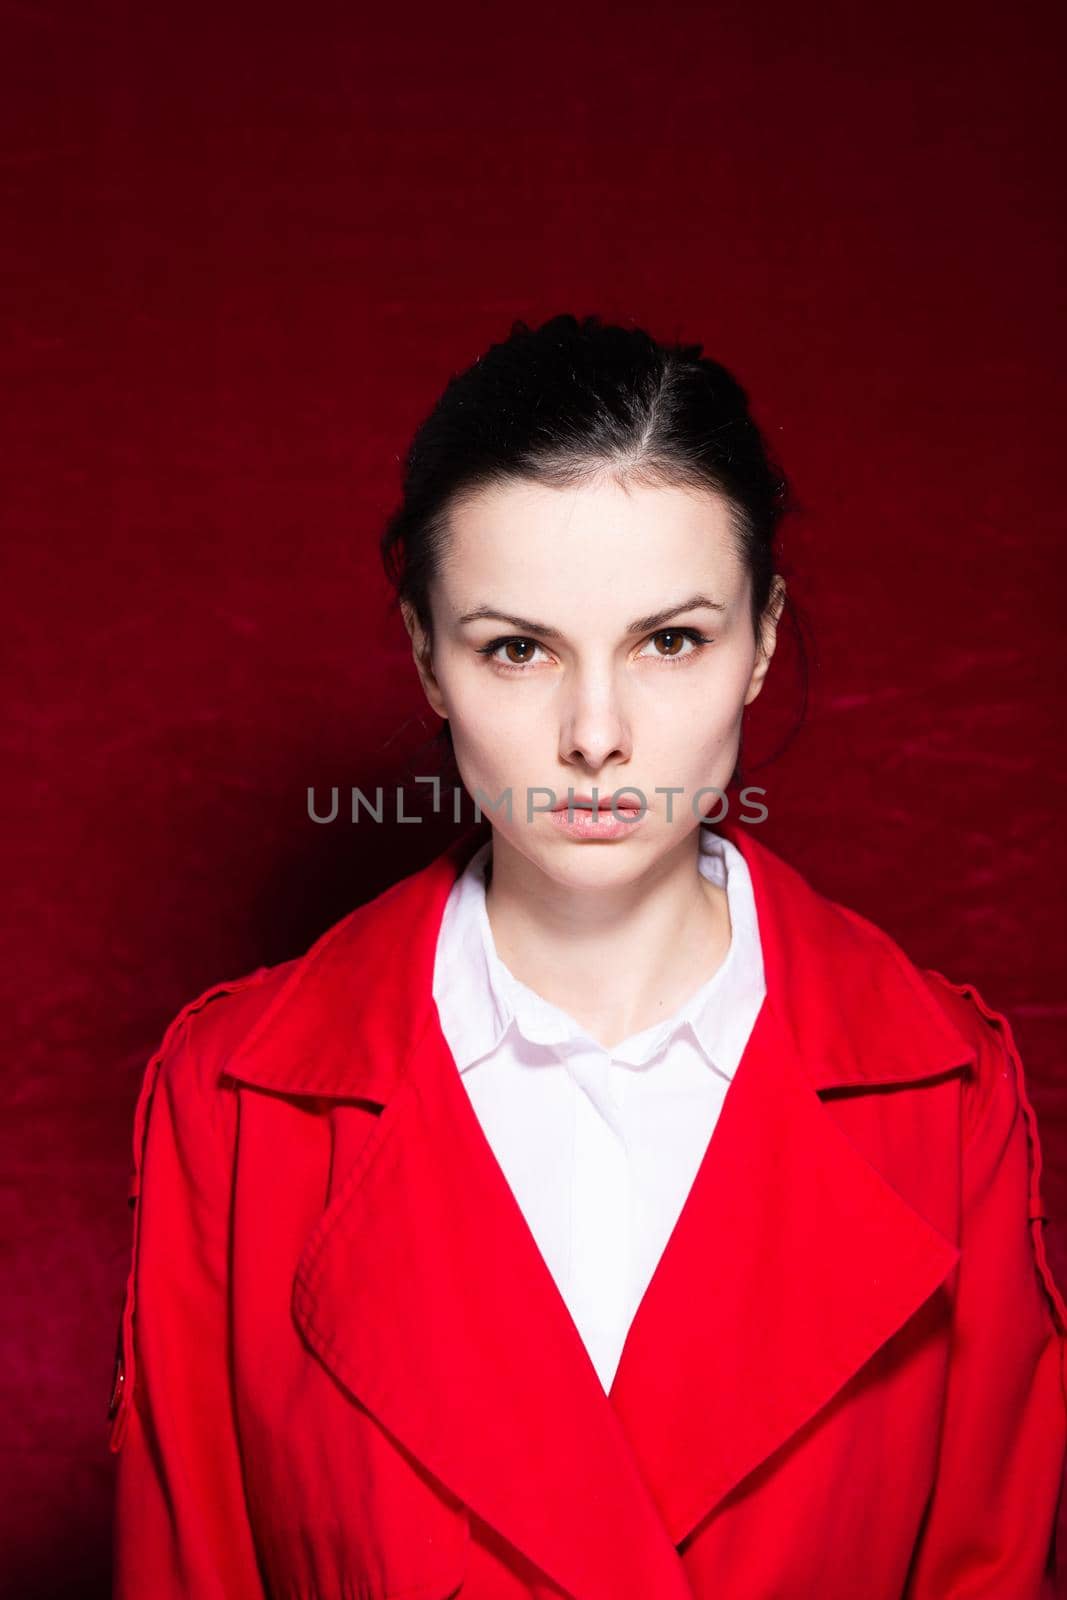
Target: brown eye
682,644
520,653
674,638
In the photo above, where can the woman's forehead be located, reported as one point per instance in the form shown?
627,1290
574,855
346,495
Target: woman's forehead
552,538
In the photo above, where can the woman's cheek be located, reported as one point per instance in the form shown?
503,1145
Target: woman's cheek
492,763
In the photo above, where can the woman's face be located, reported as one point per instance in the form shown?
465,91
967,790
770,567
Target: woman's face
566,654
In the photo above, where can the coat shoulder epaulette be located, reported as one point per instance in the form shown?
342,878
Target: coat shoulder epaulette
122,1378
998,1058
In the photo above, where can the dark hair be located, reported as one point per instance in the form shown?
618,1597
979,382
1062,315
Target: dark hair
567,401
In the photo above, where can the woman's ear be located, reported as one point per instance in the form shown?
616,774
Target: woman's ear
768,637
422,653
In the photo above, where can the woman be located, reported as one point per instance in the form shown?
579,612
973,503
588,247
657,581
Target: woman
601,1211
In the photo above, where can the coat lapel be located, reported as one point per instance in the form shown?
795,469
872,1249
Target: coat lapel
792,1261
425,1293
422,1290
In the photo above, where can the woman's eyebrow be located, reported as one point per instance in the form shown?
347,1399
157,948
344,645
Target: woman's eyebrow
639,624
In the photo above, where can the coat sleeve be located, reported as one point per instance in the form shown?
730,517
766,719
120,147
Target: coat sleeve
180,1522
989,1529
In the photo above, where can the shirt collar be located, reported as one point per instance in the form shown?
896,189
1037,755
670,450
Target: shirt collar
479,999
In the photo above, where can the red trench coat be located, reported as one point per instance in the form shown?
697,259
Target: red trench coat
345,1372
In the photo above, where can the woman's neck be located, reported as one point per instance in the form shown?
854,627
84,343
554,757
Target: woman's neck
616,959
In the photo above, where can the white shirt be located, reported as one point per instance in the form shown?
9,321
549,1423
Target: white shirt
599,1150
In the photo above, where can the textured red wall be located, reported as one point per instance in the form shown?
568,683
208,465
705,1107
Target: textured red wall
249,246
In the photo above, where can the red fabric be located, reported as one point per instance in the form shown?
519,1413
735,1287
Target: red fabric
346,1370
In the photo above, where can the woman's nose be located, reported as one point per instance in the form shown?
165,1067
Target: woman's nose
594,728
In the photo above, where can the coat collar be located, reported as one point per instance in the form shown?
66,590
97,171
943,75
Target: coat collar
828,970
422,1291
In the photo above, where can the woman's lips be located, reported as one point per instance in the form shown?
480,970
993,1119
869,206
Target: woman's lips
581,823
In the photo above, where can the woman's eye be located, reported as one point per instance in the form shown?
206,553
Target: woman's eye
518,652
675,641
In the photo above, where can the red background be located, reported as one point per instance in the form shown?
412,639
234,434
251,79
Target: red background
248,249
